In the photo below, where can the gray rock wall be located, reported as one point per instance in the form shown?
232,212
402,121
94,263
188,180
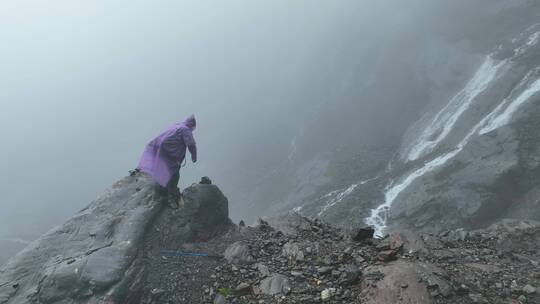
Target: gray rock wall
101,254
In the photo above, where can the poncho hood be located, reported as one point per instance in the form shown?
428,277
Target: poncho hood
190,122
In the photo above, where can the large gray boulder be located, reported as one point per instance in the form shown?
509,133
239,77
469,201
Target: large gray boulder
206,206
98,256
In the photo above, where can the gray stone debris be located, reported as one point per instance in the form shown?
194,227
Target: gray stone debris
239,253
276,284
220,299
292,251
528,289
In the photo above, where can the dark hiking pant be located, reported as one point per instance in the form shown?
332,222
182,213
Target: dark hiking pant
173,192
173,183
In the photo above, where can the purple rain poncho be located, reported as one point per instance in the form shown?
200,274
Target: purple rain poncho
164,155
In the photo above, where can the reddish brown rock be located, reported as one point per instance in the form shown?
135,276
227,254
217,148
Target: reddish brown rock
391,288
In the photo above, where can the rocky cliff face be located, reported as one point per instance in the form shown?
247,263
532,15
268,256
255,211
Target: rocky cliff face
474,161
103,253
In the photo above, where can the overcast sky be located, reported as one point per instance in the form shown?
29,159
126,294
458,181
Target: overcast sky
84,85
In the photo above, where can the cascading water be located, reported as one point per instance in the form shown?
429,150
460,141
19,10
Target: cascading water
506,110
337,196
443,123
378,216
495,119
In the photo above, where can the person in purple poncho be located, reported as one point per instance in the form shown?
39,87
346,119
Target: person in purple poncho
164,155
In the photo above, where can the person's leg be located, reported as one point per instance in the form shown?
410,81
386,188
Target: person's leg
173,191
173,183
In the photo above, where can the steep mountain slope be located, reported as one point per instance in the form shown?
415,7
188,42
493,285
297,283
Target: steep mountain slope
446,141
131,246
475,160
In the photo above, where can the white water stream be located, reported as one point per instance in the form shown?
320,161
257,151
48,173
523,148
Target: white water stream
506,110
443,123
337,196
500,116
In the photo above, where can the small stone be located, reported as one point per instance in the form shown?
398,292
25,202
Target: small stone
220,299
324,269
205,180
477,298
243,288
263,270
350,275
274,285
462,289
327,294
528,289
359,259
292,251
157,291
239,253
514,286
362,234
404,286
387,255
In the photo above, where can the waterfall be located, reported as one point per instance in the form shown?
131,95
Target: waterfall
377,219
337,196
499,116
503,117
443,123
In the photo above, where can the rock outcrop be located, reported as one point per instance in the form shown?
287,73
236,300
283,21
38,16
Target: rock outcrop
101,254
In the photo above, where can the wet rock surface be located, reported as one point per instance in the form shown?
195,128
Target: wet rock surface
129,246
104,253
92,254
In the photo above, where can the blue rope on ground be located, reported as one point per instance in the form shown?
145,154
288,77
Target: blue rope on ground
182,254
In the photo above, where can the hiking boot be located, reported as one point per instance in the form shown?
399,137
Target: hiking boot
174,197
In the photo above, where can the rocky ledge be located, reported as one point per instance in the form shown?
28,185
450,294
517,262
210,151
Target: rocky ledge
133,246
296,260
104,253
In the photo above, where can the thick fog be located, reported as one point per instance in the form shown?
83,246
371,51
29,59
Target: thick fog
84,85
